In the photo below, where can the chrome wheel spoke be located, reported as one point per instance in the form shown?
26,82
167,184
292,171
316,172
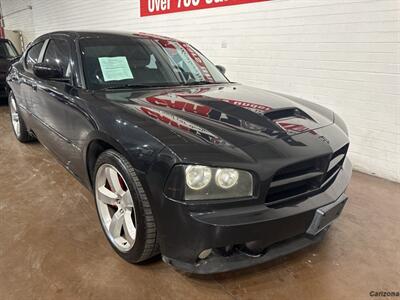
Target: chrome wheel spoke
116,223
14,116
113,180
13,105
106,196
126,199
129,227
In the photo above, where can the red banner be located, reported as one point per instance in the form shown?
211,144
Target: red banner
157,7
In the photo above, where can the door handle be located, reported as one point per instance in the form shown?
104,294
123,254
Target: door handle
34,86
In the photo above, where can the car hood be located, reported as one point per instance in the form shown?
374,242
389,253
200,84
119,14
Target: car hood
231,115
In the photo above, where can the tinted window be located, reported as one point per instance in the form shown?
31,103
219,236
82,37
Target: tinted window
33,55
128,61
57,53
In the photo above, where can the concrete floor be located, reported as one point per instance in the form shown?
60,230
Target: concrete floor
52,247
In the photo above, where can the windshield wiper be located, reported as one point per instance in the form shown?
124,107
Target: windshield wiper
158,85
135,86
199,82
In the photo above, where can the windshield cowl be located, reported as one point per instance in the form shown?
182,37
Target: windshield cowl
159,86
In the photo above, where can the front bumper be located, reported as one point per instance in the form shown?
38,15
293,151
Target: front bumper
280,231
239,260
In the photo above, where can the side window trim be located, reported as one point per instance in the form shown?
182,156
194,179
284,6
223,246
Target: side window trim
80,76
43,50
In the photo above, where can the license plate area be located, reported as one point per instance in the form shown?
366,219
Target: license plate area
325,215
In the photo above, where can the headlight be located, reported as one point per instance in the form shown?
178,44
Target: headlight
195,182
197,177
226,178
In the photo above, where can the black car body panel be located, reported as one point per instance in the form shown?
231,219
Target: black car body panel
8,55
220,125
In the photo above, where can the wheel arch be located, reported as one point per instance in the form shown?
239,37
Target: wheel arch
99,143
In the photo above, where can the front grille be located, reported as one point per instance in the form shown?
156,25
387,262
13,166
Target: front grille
335,165
302,180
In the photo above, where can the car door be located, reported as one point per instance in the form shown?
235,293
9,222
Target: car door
55,103
27,80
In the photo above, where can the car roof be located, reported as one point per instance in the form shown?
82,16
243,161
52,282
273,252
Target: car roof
103,34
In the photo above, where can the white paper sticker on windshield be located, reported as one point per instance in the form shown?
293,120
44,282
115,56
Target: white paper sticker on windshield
115,68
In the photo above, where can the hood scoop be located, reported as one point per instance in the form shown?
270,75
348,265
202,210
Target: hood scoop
292,120
285,113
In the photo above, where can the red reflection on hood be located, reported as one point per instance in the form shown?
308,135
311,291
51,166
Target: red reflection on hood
207,111
258,108
183,125
294,127
181,105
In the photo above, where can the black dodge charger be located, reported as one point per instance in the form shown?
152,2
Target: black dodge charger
212,174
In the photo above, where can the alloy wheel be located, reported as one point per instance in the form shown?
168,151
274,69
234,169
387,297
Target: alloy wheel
115,206
15,116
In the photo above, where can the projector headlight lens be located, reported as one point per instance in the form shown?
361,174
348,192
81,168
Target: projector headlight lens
198,177
226,178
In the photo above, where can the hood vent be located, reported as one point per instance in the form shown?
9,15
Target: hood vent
287,113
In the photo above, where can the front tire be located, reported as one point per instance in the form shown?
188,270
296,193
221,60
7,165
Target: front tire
18,125
123,208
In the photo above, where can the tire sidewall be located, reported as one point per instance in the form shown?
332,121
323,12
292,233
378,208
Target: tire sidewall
113,158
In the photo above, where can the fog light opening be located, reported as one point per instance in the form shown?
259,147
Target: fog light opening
254,248
225,251
205,253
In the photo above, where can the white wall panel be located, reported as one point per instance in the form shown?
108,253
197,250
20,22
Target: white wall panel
343,54
18,16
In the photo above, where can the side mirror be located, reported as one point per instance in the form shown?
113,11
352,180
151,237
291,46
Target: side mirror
221,69
46,71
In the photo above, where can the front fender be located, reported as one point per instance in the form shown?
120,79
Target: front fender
141,154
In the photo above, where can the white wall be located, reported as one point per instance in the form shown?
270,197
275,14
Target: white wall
344,54
18,16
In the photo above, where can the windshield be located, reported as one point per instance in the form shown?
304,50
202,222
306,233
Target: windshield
120,62
7,50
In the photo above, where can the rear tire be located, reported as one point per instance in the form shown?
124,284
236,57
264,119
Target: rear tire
123,208
17,122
